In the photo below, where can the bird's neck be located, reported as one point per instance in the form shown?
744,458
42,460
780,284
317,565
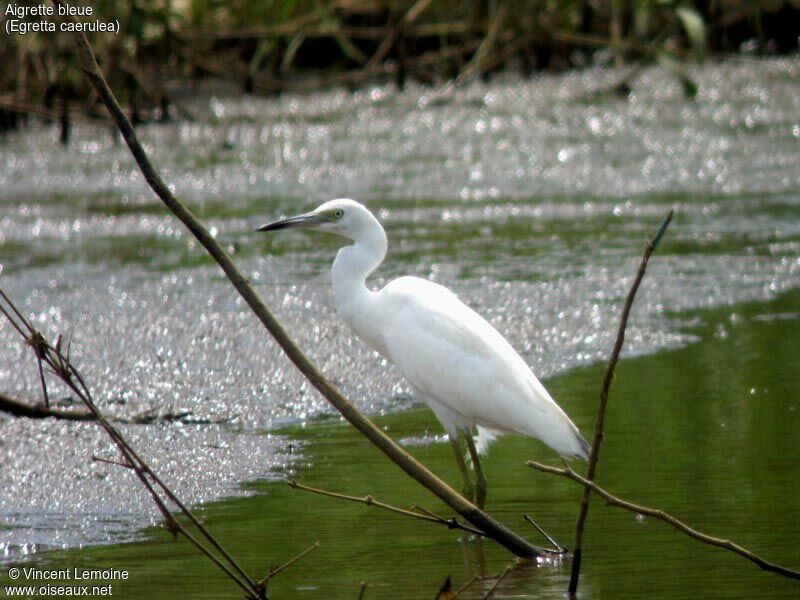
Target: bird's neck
352,266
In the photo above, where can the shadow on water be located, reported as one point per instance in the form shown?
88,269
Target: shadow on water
707,432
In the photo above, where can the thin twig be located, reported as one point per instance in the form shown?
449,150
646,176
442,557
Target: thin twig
464,587
196,522
143,470
225,568
667,518
11,319
62,367
559,548
490,594
480,519
42,381
362,589
275,570
608,377
22,319
108,461
32,337
429,516
425,511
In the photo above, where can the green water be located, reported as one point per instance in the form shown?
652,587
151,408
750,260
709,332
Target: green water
529,203
707,432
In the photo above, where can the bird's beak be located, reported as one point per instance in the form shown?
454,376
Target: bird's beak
311,219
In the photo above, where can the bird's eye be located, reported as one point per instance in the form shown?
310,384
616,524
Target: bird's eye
337,214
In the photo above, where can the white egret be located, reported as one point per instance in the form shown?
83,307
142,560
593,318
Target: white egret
452,358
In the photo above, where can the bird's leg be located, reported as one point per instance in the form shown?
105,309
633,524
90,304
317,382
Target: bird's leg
480,480
468,489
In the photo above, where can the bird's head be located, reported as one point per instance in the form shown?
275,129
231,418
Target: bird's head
342,216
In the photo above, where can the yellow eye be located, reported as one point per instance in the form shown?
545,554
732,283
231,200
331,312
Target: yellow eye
337,214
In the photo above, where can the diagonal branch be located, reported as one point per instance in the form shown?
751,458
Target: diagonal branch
275,570
480,519
608,378
667,518
559,549
490,594
61,367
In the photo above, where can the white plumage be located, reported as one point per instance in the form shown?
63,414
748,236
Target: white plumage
452,358
466,371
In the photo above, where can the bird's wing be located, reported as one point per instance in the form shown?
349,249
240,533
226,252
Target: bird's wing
456,358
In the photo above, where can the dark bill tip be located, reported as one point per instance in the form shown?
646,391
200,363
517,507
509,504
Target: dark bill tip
306,220
273,226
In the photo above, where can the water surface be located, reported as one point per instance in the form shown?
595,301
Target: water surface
526,198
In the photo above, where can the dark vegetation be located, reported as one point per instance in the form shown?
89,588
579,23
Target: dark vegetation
266,47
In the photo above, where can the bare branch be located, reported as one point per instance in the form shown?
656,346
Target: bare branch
108,461
466,585
608,378
480,519
37,346
24,322
424,515
275,570
559,549
61,367
667,518
490,594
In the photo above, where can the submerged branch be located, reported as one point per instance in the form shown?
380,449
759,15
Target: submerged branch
559,549
667,518
424,515
467,584
608,378
490,594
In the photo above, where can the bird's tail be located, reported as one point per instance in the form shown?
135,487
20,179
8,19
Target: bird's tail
484,439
